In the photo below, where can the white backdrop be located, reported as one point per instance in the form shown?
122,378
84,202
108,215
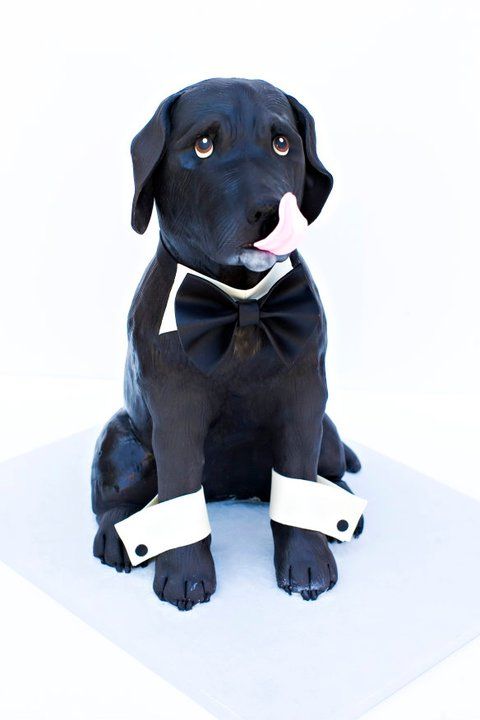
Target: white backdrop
394,90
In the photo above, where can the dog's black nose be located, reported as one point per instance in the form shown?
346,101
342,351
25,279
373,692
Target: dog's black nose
260,212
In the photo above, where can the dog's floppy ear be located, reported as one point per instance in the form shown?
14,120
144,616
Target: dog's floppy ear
147,150
318,181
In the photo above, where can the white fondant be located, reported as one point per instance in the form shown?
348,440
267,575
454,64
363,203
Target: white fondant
241,656
317,505
169,323
166,525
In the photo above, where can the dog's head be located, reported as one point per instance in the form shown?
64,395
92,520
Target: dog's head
216,158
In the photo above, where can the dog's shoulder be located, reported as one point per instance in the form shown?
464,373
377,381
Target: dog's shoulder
297,259
150,299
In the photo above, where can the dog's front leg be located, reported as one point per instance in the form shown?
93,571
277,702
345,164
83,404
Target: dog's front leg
184,576
303,560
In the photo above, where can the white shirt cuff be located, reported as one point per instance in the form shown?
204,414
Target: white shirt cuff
320,506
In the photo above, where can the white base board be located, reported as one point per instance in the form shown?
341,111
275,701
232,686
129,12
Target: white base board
408,591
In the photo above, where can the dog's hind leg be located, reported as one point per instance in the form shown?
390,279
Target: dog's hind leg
123,481
336,458
352,463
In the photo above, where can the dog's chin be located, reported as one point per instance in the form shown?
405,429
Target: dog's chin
258,260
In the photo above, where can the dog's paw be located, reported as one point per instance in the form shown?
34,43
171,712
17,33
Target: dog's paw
352,462
360,525
303,561
185,576
107,546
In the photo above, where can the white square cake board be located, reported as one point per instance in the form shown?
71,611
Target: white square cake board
408,592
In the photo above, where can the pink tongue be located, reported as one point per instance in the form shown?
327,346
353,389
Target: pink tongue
290,228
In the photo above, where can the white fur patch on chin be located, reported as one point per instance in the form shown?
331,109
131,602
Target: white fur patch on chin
259,260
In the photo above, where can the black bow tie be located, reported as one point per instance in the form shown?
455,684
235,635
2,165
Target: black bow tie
207,318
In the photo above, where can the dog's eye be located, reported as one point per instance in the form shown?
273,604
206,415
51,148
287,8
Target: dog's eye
204,146
281,145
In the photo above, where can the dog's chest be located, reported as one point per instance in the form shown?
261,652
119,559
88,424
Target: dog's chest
249,366
247,343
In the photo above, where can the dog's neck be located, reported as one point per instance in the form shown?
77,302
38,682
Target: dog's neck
234,275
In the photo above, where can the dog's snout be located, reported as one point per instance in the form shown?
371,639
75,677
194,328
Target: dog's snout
260,212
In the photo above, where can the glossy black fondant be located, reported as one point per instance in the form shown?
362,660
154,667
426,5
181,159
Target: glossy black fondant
181,427
208,319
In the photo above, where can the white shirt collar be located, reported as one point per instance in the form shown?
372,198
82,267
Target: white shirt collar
169,324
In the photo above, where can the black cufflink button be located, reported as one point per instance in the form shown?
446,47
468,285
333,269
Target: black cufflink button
342,525
141,550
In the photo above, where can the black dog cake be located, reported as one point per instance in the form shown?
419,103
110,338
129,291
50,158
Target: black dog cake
225,388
